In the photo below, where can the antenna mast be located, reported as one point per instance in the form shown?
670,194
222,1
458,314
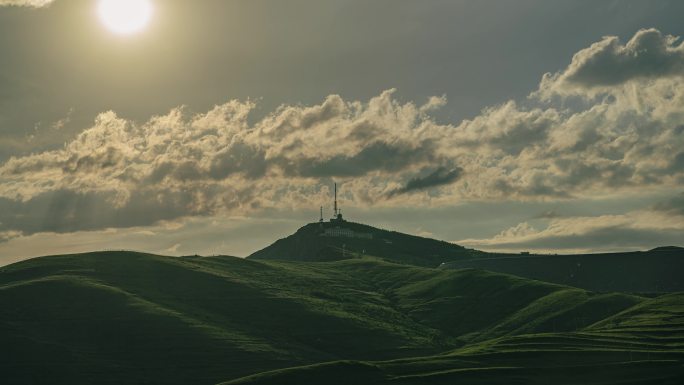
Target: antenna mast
335,199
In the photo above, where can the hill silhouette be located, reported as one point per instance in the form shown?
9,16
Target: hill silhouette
660,270
123,317
310,243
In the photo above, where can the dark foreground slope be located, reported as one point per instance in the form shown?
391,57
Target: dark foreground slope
310,243
660,270
137,318
643,345
561,359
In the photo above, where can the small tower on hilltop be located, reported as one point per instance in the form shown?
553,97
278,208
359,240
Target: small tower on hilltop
337,213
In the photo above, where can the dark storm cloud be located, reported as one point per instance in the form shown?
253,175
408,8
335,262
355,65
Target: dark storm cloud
439,177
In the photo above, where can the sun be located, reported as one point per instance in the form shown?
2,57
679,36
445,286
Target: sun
125,17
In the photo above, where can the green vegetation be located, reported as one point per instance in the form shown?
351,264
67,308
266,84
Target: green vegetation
642,345
123,317
650,272
309,244
660,270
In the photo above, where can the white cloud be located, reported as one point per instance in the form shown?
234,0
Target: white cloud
26,3
641,229
388,154
608,63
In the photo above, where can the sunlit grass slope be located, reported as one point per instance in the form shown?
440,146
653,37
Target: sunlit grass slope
122,317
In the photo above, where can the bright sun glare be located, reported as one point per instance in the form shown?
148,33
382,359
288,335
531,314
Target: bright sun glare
125,16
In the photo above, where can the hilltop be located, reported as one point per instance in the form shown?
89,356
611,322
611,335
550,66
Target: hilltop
123,317
660,270
331,241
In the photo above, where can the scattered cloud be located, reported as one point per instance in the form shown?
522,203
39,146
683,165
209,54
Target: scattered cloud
122,173
438,177
548,214
631,231
649,54
674,206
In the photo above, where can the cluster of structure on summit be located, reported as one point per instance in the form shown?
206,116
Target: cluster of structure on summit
338,226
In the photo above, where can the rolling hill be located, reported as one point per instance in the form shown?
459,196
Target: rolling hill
123,317
660,270
311,243
642,345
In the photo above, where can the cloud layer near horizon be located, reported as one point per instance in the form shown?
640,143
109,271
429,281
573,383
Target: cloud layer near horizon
627,231
628,135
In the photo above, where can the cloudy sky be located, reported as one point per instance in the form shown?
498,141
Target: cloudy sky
220,126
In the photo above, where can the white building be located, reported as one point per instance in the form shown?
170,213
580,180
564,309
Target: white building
338,231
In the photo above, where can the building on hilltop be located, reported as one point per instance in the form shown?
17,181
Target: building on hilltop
343,232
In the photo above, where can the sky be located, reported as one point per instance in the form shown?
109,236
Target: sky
221,126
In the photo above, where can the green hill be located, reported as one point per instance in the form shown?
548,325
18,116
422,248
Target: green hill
642,345
320,242
660,270
122,317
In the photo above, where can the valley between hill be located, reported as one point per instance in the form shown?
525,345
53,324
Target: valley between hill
123,317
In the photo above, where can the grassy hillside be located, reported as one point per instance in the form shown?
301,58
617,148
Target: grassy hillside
655,271
310,244
603,367
659,270
643,345
121,317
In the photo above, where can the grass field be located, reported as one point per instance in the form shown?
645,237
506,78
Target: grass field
123,317
642,345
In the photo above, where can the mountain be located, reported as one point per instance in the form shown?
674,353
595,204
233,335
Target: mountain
336,240
123,317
